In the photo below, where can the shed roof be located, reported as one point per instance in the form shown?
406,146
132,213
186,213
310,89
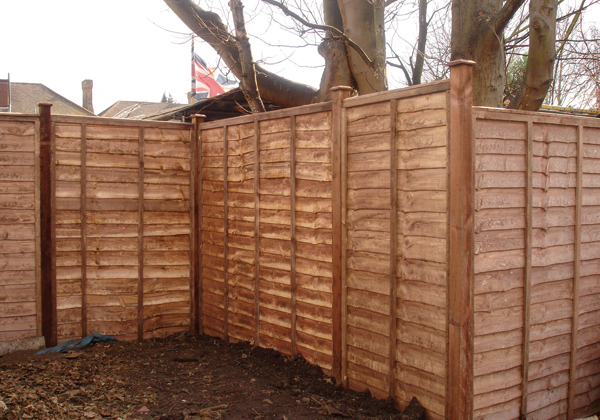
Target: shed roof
227,105
136,110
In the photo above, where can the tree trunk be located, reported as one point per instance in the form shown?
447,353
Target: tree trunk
477,34
248,79
208,26
364,23
542,53
333,50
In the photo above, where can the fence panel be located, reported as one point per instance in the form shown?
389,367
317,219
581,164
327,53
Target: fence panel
396,235
122,223
266,231
533,241
20,307
585,377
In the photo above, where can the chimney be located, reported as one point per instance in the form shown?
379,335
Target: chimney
87,85
5,94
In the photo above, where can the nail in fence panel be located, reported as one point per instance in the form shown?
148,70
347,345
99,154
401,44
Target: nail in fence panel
20,308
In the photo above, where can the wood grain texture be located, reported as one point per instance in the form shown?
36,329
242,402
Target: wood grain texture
20,311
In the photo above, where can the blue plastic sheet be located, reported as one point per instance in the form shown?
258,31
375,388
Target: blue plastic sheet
75,344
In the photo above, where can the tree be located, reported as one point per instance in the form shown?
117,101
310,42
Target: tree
353,48
168,99
352,40
540,60
477,34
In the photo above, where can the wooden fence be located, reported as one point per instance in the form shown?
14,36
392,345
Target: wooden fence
121,221
406,242
20,302
537,265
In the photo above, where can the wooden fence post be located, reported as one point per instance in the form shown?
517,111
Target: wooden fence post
197,324
459,395
339,93
48,273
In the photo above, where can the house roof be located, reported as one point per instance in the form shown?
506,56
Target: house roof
25,97
227,105
136,110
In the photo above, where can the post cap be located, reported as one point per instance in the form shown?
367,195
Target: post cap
461,62
336,88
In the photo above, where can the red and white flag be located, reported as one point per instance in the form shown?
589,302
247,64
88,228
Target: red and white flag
204,84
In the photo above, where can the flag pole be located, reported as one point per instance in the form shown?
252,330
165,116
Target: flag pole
193,91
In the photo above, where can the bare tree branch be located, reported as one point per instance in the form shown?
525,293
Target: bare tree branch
248,79
571,27
331,29
209,26
506,14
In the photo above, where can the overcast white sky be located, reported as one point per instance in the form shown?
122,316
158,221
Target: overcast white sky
119,44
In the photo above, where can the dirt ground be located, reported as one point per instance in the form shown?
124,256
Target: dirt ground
178,377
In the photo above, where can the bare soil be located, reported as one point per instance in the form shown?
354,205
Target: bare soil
177,377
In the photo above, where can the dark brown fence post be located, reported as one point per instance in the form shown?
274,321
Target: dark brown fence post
339,93
48,280
459,395
196,225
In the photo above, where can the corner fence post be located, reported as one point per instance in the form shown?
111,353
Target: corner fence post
461,160
196,314
48,272
339,93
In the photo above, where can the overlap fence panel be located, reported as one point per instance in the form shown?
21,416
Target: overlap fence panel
20,305
122,227
536,265
266,262
395,278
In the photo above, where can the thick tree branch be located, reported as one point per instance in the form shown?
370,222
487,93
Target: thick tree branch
210,28
540,60
333,30
506,14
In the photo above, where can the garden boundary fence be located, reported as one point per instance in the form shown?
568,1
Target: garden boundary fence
406,241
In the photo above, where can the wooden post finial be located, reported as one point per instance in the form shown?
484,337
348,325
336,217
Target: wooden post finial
459,62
